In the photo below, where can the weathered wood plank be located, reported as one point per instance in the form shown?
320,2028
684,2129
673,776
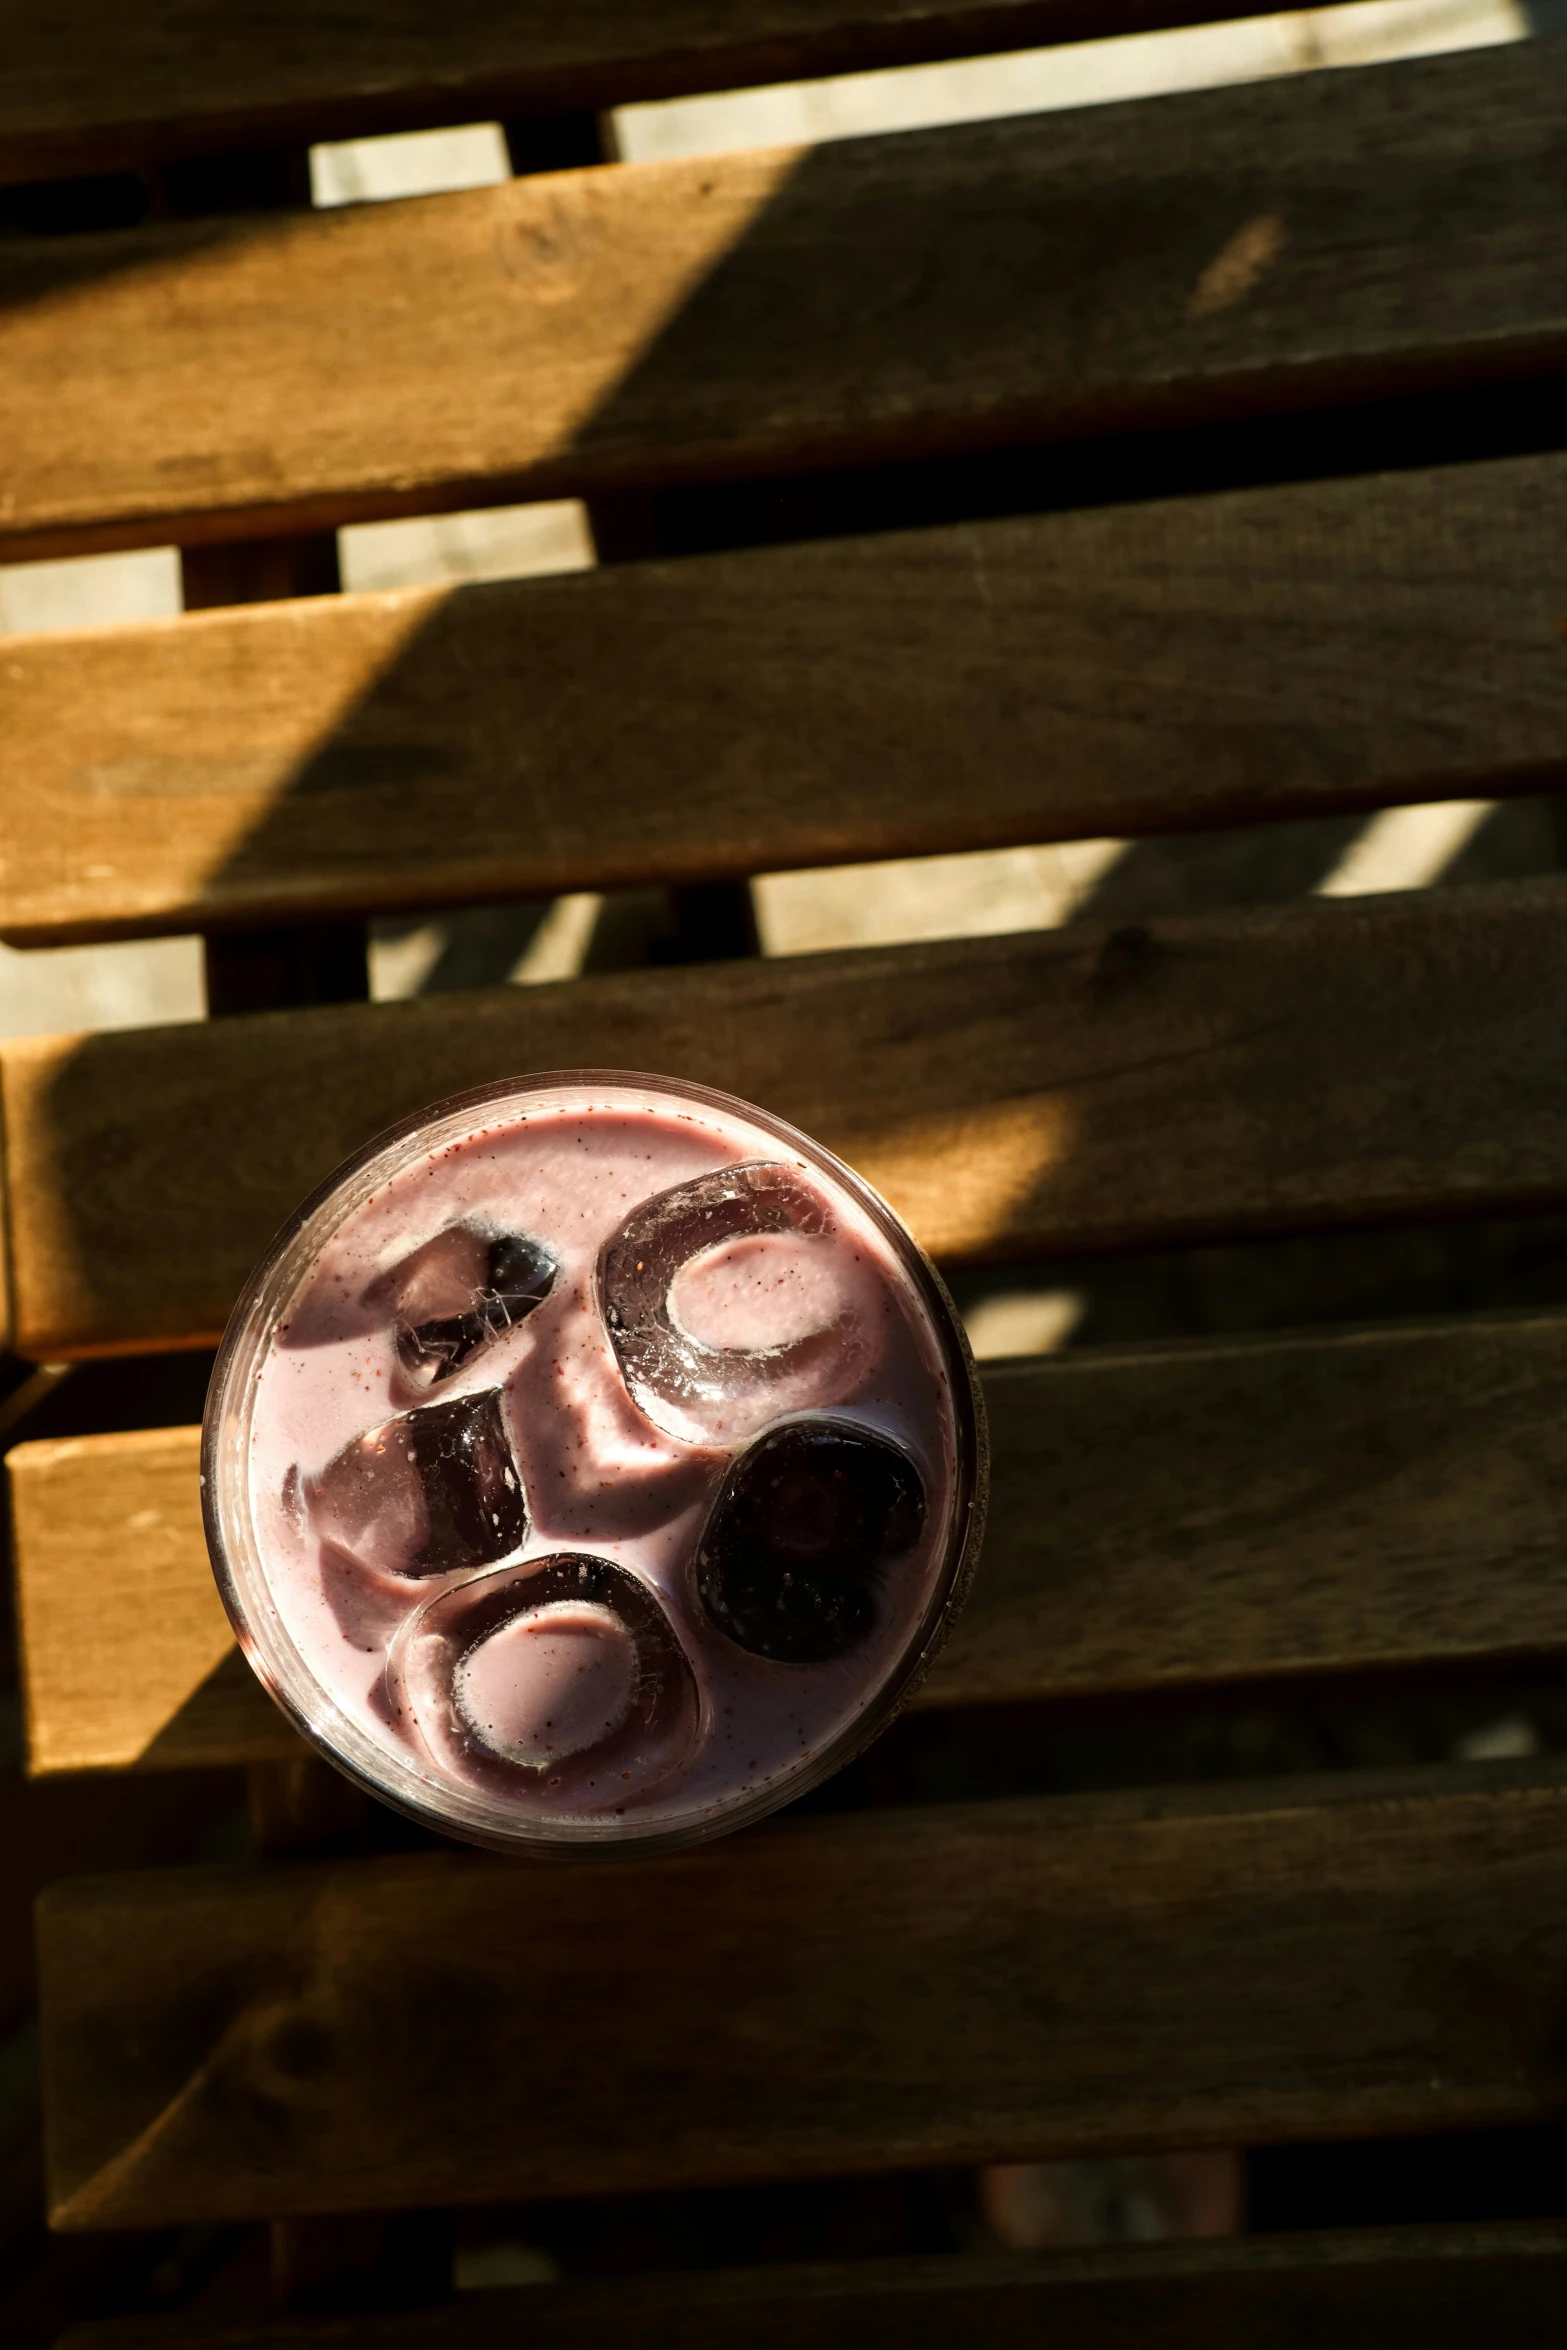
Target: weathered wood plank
1239,1510
136,1667
85,86
1445,2287
1164,1518
1322,237
1280,1069
1267,653
887,1990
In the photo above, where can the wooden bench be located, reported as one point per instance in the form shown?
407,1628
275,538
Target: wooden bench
893,1988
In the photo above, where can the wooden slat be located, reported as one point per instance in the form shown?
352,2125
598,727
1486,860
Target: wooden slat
141,1672
1163,1518
1278,1069
1446,2288
1322,237
85,86
888,1990
1267,653
1242,1510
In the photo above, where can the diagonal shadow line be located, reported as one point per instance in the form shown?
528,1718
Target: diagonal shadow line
872,306
1152,880
1059,276
946,230
227,1718
46,268
1200,255
1184,663
862,252
361,72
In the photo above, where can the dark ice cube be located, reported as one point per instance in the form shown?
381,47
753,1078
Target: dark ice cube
792,1559
472,1491
460,1290
431,1491
681,1383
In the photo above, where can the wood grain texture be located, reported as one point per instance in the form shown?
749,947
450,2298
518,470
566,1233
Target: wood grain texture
1265,653
129,1660
1322,237
1165,1518
84,86
1445,2287
7,1320
880,1991
1359,1060
1228,1511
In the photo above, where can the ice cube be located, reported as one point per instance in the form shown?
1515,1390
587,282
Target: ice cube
793,1557
562,1677
457,1292
732,1299
434,1490
548,1683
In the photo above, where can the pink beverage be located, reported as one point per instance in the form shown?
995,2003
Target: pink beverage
593,1461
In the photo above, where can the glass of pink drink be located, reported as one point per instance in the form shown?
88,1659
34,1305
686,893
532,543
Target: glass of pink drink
594,1461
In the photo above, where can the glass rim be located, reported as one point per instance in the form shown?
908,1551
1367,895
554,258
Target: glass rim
404,1785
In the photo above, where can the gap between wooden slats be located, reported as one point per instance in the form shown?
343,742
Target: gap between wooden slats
1329,236
1447,2288
879,1991
1216,660
1409,1482
106,87
1332,1063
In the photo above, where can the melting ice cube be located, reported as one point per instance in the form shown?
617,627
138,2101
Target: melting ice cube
793,1556
460,1290
562,1677
434,1490
732,1299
